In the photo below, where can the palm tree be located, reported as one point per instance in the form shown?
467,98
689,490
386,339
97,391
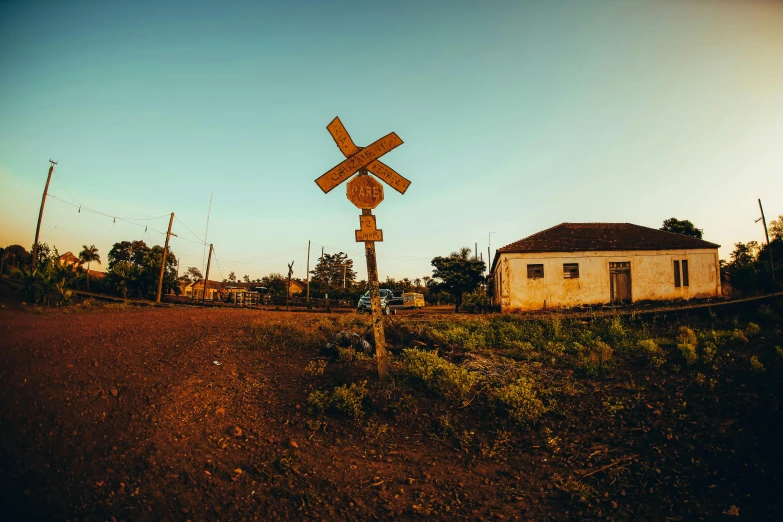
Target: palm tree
88,255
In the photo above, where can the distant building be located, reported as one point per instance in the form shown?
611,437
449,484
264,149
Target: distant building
297,287
575,264
195,290
68,259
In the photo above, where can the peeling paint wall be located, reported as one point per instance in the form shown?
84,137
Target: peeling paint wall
652,278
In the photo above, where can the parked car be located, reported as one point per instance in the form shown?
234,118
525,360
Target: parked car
386,298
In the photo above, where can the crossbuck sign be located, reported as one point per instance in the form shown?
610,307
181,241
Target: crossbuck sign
366,193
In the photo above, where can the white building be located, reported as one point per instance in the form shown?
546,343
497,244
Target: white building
575,264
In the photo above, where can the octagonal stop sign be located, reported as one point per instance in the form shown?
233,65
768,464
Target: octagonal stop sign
364,191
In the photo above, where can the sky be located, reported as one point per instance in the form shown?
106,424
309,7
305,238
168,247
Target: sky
515,116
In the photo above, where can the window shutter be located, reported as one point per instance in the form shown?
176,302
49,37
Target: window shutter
684,272
676,274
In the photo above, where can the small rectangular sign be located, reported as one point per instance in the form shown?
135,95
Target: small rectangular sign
368,235
364,157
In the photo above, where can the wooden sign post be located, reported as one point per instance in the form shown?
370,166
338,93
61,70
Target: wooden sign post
366,193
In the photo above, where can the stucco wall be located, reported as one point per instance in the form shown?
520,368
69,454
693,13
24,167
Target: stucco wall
652,278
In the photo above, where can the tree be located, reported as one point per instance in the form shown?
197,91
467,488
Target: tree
744,254
246,278
133,251
140,269
17,255
457,273
275,283
192,274
684,227
88,255
776,228
232,277
332,269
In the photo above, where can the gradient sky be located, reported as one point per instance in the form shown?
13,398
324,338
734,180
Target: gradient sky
516,116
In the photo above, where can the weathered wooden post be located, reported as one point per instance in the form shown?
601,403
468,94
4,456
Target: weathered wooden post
366,193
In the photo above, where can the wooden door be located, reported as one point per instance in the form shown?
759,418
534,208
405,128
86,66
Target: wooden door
620,282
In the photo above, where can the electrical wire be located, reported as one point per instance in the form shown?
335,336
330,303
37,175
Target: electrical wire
201,241
127,220
218,262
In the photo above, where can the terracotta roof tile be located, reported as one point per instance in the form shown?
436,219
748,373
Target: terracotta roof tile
579,237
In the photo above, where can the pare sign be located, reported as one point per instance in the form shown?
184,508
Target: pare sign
364,191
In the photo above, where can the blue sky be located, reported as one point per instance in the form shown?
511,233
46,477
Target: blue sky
516,116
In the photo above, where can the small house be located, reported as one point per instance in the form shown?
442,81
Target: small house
196,290
581,264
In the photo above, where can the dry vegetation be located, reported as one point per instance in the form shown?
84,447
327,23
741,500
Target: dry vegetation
487,417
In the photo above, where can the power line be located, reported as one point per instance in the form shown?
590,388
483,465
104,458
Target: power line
186,228
127,220
218,264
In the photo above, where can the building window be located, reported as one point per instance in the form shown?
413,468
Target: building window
535,271
681,273
676,274
570,270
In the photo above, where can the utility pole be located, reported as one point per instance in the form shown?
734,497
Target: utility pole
206,279
163,264
475,251
766,234
308,272
40,213
206,231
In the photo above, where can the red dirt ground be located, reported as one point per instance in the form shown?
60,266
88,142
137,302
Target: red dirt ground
117,413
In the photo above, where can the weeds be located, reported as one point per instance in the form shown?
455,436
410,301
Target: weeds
597,358
315,367
574,488
688,352
687,336
519,400
652,352
346,399
752,330
439,375
756,365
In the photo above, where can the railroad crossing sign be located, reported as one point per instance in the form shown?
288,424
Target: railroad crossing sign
364,192
367,231
361,157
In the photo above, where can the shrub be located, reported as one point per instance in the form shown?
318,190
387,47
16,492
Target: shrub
439,375
756,365
349,354
597,358
520,401
520,350
316,367
752,330
709,352
344,399
687,336
651,351
616,330
476,301
738,336
779,350
688,351
319,401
